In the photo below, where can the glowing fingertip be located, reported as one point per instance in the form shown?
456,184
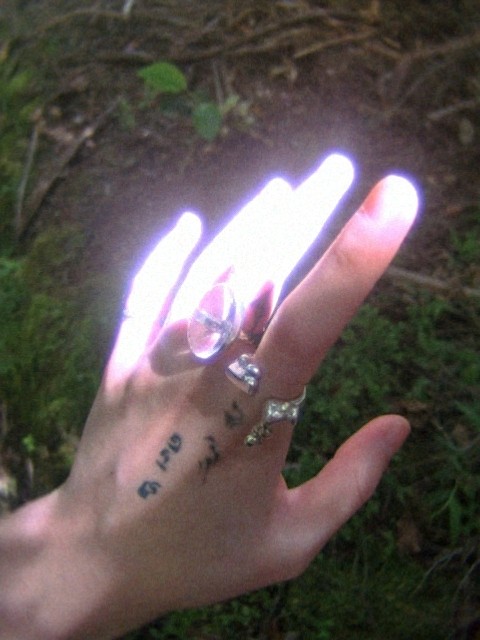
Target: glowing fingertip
339,166
277,185
401,196
190,221
326,185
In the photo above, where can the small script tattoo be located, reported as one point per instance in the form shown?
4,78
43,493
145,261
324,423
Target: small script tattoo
211,459
235,416
148,488
173,446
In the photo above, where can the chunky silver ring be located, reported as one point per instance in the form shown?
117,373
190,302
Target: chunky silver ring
275,411
244,374
215,323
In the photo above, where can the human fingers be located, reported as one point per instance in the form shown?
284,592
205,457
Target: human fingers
265,240
230,248
314,511
314,314
150,291
312,204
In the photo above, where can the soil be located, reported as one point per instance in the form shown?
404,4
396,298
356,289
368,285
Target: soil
377,100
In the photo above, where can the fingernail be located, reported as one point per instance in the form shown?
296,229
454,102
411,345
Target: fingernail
395,433
395,197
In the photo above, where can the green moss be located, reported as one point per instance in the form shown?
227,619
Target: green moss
17,105
50,360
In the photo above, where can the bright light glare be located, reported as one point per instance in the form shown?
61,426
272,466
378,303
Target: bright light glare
239,245
313,203
399,198
261,244
152,286
267,238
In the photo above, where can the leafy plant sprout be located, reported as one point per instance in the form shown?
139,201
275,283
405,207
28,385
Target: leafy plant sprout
166,82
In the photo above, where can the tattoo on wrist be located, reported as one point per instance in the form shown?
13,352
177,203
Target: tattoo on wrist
211,459
173,446
235,416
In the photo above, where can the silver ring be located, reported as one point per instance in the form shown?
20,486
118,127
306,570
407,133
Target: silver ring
275,411
244,374
215,323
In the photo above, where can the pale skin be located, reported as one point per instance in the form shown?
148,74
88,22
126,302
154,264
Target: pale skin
165,508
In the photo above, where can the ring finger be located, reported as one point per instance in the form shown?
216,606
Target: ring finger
312,317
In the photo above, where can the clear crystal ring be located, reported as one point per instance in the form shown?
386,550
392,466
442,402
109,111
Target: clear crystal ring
215,323
244,374
275,411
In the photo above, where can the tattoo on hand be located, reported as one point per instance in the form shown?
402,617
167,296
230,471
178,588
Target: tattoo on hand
212,458
151,487
148,488
173,446
235,417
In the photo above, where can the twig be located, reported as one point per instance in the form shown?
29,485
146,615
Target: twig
429,282
447,49
124,57
32,147
77,13
399,76
387,48
464,581
239,46
439,562
445,112
333,42
127,7
45,186
454,45
107,15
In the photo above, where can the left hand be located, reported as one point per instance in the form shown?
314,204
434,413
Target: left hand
165,507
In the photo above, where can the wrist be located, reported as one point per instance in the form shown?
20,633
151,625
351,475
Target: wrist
52,579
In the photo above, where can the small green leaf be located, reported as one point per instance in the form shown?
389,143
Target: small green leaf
207,120
29,443
163,77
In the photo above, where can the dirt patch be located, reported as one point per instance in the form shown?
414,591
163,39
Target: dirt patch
374,98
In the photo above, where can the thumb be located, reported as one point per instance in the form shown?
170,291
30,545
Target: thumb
318,508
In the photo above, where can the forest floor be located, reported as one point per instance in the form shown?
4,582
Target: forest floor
395,88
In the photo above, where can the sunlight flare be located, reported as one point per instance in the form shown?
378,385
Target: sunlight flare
265,240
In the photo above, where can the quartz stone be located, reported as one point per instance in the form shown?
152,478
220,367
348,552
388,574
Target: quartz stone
215,322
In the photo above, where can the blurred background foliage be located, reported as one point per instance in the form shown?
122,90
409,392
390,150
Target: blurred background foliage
408,565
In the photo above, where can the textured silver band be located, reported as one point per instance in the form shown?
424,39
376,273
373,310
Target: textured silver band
275,411
244,374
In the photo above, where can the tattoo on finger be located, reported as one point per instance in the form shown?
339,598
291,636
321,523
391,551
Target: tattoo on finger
211,459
